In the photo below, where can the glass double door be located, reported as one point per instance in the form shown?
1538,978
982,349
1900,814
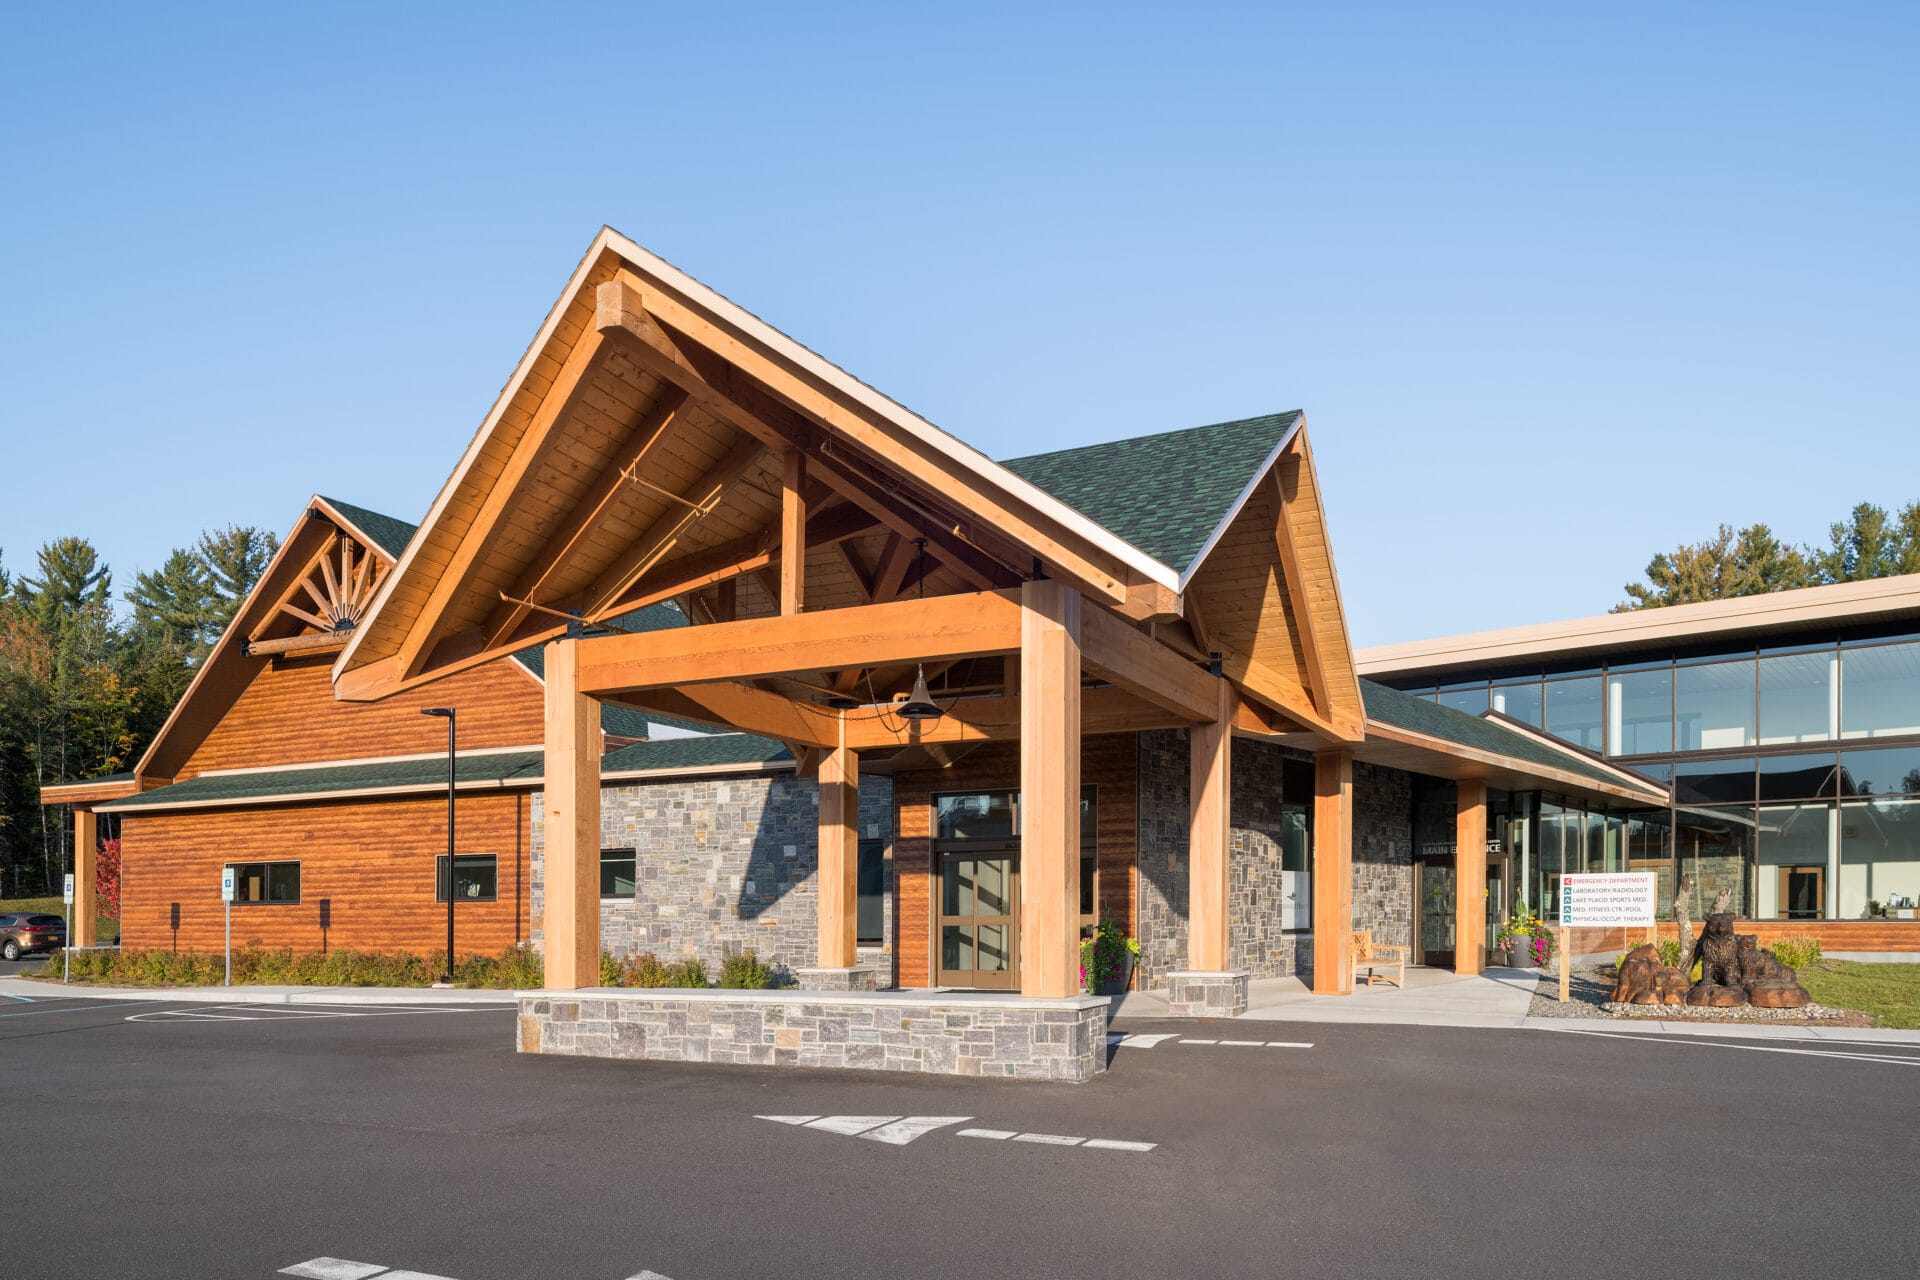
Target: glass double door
1437,892
979,913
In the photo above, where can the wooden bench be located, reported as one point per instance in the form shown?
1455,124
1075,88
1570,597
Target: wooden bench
1377,957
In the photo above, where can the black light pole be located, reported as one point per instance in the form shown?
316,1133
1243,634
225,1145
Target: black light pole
447,977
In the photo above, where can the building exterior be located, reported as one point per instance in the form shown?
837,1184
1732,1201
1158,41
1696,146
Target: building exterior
1787,724
746,654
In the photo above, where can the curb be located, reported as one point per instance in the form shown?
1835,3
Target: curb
1734,1030
45,989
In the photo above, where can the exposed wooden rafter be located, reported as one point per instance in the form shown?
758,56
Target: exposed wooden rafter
339,579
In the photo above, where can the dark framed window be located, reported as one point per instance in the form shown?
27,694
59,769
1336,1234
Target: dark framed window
1089,858
619,873
266,883
476,878
871,897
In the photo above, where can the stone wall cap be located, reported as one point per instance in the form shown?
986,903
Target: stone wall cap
918,998
1210,973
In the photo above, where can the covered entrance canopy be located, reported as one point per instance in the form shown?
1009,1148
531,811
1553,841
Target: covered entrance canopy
659,443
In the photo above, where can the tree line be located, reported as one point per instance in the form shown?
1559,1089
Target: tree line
1869,543
86,679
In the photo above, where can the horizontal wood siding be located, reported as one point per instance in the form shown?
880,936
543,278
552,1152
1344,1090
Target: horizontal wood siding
374,860
288,715
1834,935
1109,762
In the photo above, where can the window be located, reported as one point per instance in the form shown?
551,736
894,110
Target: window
1794,841
1880,859
1520,700
1640,712
1471,699
274,883
1573,711
476,878
1713,706
619,873
1888,771
986,816
1714,846
871,894
1799,697
1713,781
1880,691
1796,777
1089,858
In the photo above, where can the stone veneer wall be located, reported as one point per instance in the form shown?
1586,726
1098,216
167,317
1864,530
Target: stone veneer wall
1382,858
967,1034
1383,853
722,862
1255,937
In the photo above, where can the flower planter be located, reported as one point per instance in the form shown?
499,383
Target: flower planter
1120,981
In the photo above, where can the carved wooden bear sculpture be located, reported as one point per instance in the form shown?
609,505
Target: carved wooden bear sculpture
1721,985
1769,983
1644,980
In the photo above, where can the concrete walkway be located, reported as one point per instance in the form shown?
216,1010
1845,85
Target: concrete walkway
1432,998
41,989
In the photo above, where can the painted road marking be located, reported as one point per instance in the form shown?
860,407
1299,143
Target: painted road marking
333,1269
1199,1042
1115,1144
1050,1139
1000,1135
1289,1044
288,1013
1835,1052
901,1132
789,1119
851,1126
1137,1041
1056,1140
1244,1044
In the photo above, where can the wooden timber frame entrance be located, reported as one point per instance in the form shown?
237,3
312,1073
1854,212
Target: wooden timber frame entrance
658,443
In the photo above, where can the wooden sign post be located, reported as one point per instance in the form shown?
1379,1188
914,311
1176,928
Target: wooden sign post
1565,935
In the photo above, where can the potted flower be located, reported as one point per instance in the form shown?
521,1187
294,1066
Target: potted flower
1107,958
1526,939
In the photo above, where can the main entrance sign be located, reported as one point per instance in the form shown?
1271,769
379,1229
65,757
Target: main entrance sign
1624,900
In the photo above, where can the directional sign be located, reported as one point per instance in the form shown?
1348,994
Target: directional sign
66,894
1607,901
226,884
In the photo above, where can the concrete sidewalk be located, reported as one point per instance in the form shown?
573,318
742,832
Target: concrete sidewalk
42,989
1432,998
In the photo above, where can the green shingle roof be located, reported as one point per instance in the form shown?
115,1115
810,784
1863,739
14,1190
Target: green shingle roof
1418,715
391,535
1164,493
507,769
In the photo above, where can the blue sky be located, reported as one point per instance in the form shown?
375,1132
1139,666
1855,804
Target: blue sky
1558,287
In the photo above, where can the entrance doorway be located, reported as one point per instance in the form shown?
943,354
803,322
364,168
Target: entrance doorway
1436,888
979,904
1499,880
1802,892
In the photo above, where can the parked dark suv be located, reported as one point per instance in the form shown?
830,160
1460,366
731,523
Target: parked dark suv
21,935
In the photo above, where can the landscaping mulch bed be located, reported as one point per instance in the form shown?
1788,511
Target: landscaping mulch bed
1590,985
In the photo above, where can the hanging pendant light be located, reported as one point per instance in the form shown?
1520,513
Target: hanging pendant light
920,705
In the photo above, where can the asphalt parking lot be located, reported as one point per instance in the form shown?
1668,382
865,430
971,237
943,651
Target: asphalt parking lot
168,1140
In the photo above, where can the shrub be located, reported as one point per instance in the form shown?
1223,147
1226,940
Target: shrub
516,968
742,971
1796,952
1671,952
644,970
690,972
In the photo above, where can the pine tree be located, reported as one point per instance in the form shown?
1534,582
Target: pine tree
175,600
234,558
1751,562
1871,544
71,580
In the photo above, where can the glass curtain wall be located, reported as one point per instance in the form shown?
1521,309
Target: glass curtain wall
1793,831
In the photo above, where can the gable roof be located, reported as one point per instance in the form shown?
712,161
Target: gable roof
389,534
1167,493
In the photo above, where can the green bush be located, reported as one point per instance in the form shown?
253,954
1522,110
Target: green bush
1796,952
742,971
690,972
1671,952
644,970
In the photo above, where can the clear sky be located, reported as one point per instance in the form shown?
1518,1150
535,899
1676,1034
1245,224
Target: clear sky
1557,286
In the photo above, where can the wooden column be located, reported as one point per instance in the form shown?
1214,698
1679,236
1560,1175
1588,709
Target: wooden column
571,918
1049,945
1470,877
793,534
1210,839
86,851
839,856
1333,873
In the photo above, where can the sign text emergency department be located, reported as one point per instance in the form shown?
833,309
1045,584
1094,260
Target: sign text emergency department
1607,901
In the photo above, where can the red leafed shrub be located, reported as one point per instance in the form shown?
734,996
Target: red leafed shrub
106,879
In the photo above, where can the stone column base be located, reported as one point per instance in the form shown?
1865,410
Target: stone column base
1192,994
859,977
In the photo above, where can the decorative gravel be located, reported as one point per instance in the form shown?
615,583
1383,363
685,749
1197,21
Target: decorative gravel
1590,985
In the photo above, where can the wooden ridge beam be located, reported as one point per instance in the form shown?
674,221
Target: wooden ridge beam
958,626
307,642
1116,650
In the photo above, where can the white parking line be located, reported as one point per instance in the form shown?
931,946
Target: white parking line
284,1013
999,1135
1050,1139
1244,1044
1751,1048
333,1269
901,1132
1115,1144
1199,1042
1056,1140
